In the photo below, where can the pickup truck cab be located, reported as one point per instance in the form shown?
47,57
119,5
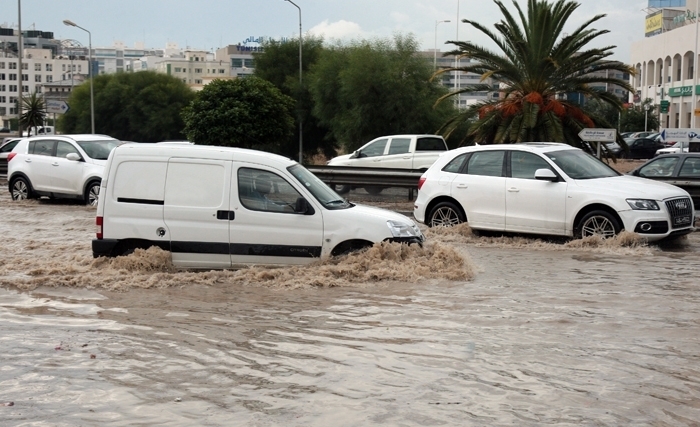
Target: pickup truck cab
415,152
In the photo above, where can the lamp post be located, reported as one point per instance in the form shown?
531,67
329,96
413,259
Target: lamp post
19,59
300,86
435,50
646,114
92,97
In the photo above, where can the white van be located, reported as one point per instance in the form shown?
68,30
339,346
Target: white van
221,207
39,130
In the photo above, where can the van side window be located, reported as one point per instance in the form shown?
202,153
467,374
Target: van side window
260,190
430,144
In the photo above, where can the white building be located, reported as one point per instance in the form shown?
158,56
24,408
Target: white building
665,63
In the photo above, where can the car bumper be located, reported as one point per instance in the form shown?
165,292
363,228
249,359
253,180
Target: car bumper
103,247
653,225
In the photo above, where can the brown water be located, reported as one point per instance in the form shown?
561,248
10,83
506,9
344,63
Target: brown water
477,331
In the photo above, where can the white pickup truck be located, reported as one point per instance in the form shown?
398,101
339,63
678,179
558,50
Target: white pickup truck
395,151
413,152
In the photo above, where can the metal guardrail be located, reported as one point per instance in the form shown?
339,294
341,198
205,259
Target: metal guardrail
368,177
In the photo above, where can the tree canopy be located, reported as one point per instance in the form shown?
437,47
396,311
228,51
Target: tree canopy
245,112
371,88
142,107
538,64
33,112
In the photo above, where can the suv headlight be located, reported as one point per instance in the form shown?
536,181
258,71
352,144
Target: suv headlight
401,229
643,204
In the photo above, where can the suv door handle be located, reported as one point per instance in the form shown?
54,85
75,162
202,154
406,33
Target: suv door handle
54,164
225,215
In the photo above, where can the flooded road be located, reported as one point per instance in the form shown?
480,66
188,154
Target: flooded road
475,331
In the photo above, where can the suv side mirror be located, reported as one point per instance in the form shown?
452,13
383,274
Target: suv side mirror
303,207
73,156
545,174
355,154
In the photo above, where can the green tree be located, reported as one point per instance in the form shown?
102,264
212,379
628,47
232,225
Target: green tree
373,88
539,63
143,106
279,64
33,112
247,112
633,118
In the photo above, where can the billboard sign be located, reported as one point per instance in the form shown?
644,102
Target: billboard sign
654,24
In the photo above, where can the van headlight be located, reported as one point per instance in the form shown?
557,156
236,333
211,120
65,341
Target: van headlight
643,204
401,229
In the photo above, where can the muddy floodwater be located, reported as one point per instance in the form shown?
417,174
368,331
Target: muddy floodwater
467,331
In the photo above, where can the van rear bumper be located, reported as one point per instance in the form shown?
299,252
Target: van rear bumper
103,247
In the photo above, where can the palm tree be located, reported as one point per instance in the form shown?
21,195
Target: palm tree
538,66
33,112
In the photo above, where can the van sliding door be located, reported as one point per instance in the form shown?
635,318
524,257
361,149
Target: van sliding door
196,212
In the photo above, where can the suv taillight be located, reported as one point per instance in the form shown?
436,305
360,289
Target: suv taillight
98,227
421,181
10,156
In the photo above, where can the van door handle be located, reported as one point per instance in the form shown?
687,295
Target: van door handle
225,215
54,164
513,190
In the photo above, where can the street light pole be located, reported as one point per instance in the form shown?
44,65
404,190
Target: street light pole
19,60
435,50
92,77
646,114
300,85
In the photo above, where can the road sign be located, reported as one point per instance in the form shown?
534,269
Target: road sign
597,135
663,106
58,107
682,134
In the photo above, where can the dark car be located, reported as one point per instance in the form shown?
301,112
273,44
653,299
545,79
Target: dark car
5,149
5,130
681,170
641,148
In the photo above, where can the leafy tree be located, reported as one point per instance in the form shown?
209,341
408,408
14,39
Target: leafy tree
279,64
247,112
33,112
143,106
538,64
373,88
633,118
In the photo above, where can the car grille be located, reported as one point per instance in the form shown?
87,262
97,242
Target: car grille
681,211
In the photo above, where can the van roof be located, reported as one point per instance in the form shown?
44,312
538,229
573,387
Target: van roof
202,152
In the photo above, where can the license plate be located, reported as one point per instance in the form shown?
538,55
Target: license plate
681,220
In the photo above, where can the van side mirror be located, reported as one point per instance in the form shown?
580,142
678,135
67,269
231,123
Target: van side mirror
303,207
73,156
545,174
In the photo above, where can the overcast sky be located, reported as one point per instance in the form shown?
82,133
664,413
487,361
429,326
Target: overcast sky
210,24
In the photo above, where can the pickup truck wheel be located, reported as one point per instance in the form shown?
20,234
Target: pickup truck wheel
341,189
374,191
445,214
21,189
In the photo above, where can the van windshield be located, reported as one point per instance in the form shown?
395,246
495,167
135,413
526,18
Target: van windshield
321,192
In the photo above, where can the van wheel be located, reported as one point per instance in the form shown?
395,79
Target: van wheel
349,247
598,223
92,193
445,214
21,189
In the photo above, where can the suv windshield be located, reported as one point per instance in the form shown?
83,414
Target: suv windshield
99,150
321,192
581,165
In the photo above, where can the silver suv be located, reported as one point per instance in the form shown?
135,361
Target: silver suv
59,166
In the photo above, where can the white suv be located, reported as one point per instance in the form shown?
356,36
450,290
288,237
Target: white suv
59,166
547,188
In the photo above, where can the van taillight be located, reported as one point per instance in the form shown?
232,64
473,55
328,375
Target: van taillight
421,181
98,227
11,156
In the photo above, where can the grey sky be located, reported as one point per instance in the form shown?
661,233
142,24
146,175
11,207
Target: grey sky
209,24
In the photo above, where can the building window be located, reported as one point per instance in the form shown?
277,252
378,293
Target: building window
2,65
13,88
2,76
3,99
198,70
25,77
49,79
25,66
37,67
237,62
63,67
3,111
222,71
13,76
3,88
49,67
25,89
13,99
13,65
13,111
198,81
37,78
178,69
